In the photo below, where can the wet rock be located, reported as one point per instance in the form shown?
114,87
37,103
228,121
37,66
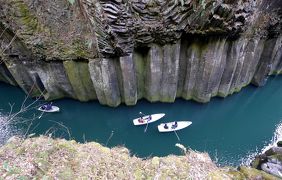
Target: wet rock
272,168
251,173
256,163
279,143
274,151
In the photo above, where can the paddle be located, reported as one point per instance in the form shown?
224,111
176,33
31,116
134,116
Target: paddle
41,114
110,138
147,122
176,135
146,126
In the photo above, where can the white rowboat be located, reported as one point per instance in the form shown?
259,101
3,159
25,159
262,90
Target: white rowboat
171,127
53,109
146,119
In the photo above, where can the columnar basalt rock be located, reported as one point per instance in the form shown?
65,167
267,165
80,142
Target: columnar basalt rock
122,51
79,77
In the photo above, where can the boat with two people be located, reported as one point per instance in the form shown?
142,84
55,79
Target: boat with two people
173,126
49,108
146,119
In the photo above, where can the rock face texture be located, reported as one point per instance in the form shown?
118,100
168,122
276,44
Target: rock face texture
119,51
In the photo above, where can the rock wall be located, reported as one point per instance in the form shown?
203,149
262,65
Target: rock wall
118,52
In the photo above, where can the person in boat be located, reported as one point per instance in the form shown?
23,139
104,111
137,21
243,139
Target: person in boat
174,125
150,117
140,120
165,126
48,107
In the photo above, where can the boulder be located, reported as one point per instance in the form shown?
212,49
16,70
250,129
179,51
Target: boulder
272,168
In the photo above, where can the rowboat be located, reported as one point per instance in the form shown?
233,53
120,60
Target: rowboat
171,126
52,109
147,119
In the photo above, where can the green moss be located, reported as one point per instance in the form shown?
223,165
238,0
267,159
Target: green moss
256,163
43,166
43,155
80,80
66,174
152,98
139,69
277,156
66,146
138,174
76,50
236,175
10,169
186,96
20,150
221,94
26,18
252,173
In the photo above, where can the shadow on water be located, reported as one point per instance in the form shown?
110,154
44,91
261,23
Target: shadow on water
228,129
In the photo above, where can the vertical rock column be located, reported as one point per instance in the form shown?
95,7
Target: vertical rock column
251,56
153,73
54,78
270,58
161,72
22,73
5,75
129,80
276,67
79,77
170,69
209,71
182,67
139,60
104,77
193,63
234,53
217,72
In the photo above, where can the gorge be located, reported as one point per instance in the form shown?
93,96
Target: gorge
118,52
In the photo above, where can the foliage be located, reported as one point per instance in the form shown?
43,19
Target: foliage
71,1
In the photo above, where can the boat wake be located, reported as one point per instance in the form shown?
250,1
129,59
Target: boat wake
277,136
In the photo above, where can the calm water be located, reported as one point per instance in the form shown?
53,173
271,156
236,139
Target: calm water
228,129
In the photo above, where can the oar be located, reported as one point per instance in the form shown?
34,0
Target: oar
147,121
176,135
110,138
141,113
41,115
146,126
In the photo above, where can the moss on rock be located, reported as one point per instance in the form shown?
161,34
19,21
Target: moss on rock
80,80
252,173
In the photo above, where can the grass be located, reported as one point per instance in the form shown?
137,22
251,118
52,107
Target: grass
46,158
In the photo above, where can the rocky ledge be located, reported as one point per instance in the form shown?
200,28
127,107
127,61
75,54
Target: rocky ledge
270,161
46,158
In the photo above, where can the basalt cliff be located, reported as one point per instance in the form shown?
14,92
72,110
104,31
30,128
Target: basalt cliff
119,51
